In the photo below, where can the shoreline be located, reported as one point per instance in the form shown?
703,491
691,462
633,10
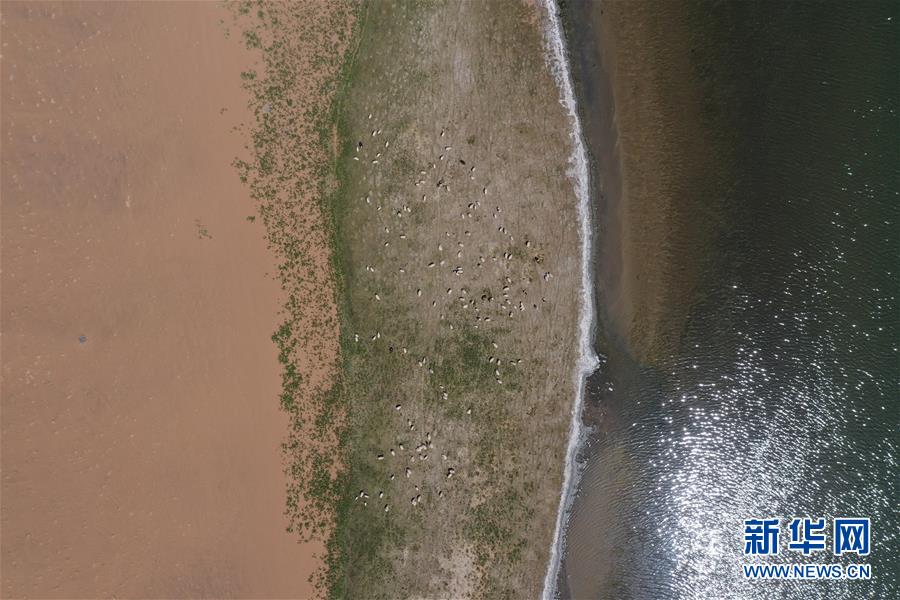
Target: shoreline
589,53
595,92
723,225
558,59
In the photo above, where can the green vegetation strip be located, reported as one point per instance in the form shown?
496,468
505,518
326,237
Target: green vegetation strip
311,98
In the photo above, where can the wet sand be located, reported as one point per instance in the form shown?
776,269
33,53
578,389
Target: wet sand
141,428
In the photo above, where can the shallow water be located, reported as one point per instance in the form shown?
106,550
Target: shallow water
776,390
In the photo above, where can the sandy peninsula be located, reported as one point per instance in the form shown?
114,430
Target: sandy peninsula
457,240
455,237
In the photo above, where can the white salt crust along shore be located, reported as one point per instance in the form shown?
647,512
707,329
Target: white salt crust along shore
557,61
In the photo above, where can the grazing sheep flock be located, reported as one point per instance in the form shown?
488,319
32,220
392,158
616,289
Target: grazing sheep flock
459,239
512,264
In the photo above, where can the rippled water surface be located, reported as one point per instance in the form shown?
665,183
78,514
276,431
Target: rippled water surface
779,396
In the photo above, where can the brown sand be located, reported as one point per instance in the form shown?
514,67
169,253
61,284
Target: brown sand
144,462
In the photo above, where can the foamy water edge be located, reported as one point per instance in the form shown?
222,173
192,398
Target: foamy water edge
557,61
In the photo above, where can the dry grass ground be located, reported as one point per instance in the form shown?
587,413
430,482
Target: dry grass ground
457,238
